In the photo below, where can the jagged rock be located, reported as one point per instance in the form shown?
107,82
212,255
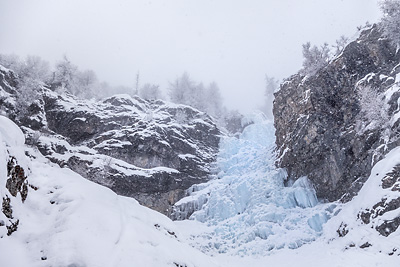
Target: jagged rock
365,245
385,227
388,226
342,231
6,207
164,148
8,212
316,117
150,150
16,182
392,179
13,227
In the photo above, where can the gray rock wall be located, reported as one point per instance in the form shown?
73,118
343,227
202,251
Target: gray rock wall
316,117
150,150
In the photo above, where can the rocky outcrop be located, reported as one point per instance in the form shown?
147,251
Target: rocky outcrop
375,215
317,118
371,220
150,150
16,183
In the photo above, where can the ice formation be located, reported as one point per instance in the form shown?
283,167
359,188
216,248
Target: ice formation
247,208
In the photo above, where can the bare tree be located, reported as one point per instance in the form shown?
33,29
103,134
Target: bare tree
340,44
150,92
391,19
179,90
271,85
136,92
213,100
65,75
373,109
315,58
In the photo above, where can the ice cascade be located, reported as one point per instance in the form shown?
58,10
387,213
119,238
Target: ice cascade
247,209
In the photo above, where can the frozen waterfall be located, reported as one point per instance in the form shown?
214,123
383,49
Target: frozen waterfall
247,209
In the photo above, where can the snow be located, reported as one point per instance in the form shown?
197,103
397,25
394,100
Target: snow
11,133
70,221
370,194
248,209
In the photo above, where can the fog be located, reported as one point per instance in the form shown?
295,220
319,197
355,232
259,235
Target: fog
235,43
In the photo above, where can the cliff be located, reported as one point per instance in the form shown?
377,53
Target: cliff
150,150
322,131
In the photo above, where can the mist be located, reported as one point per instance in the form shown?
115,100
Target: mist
234,43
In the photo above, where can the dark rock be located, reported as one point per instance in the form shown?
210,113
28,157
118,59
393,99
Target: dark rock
12,227
365,245
16,182
393,251
150,150
6,207
388,226
342,231
316,118
373,215
391,178
379,209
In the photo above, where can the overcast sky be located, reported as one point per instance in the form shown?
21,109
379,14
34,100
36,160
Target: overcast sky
232,42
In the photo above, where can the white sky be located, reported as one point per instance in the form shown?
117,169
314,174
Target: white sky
232,42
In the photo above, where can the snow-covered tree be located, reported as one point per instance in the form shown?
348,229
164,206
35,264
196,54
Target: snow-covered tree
33,73
179,90
232,121
87,84
213,100
340,44
150,92
83,84
271,85
373,109
66,75
391,19
208,99
197,97
32,67
10,61
315,58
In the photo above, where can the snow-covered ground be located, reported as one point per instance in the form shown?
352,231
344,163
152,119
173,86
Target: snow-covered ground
70,221
247,209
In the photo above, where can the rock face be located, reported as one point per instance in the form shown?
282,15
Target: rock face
375,215
318,117
372,218
150,150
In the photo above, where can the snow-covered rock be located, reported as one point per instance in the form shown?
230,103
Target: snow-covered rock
69,221
322,131
150,150
372,219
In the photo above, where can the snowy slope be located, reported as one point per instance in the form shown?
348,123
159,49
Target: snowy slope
372,218
151,150
70,221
